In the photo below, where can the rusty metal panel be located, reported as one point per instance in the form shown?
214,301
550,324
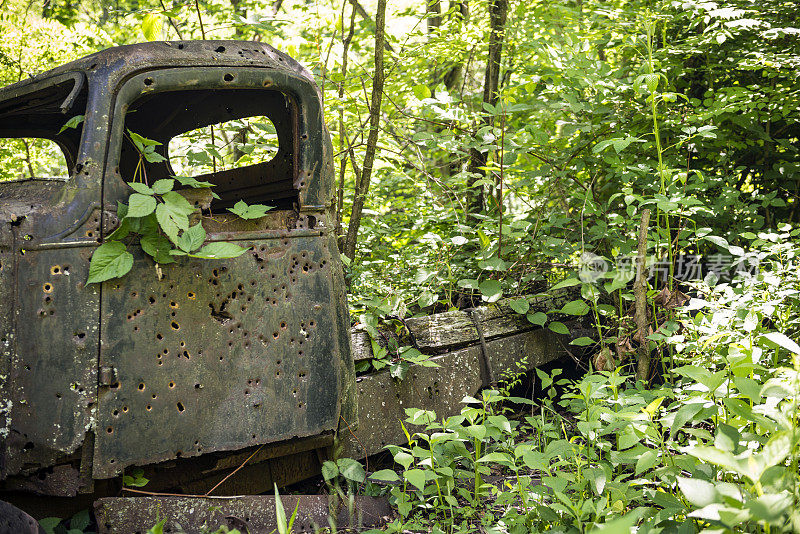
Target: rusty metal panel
53,381
253,514
382,400
220,355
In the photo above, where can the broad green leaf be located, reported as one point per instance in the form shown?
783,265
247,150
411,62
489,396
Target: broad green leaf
520,305
566,283
491,290
497,457
575,307
173,214
141,142
685,414
621,525
141,188
351,470
404,459
110,260
192,238
254,211
782,340
140,205
415,477
386,475
157,246
558,328
72,123
538,318
163,186
582,342
776,450
49,524
646,461
422,92
698,492
80,520
151,26
219,250
468,283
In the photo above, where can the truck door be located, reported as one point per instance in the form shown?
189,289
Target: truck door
212,355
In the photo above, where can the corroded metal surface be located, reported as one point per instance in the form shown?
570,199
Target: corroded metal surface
218,356
382,400
208,356
253,514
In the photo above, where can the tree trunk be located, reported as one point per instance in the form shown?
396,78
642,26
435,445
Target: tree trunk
362,185
498,13
343,150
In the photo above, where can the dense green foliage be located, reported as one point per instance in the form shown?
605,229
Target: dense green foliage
690,109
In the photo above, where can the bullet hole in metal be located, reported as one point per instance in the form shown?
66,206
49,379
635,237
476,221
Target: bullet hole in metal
134,294
115,413
275,335
148,407
171,385
283,325
220,49
180,407
125,409
148,81
47,288
186,354
183,343
55,269
175,326
110,430
154,396
141,386
159,337
174,304
191,295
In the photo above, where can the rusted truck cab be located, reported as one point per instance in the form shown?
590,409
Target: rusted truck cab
183,359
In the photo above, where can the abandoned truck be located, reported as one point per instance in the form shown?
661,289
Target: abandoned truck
185,359
189,369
